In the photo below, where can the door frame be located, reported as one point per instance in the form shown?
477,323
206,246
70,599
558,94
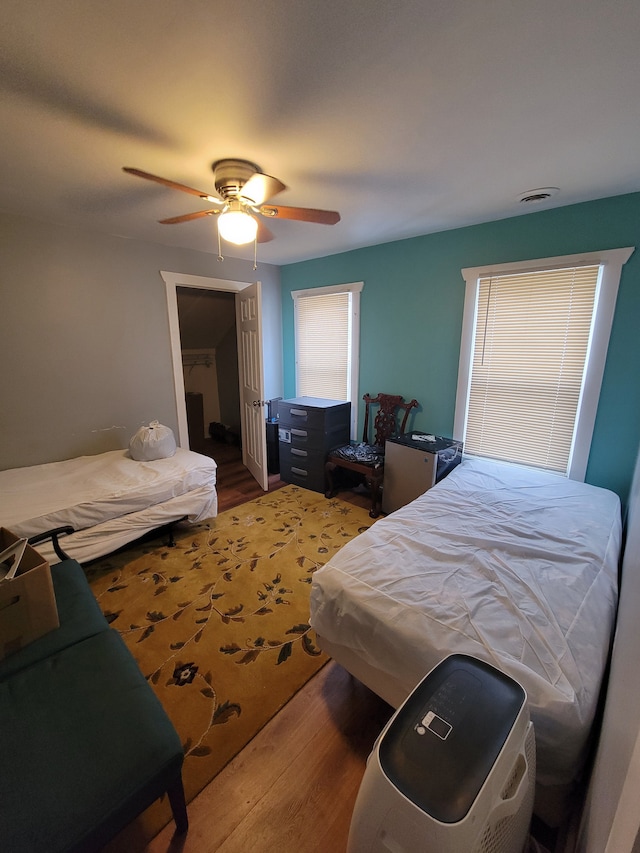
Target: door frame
172,281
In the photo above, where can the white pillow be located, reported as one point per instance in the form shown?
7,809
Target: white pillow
152,442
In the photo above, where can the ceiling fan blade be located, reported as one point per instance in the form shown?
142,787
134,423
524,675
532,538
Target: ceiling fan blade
303,214
260,187
264,235
187,217
172,184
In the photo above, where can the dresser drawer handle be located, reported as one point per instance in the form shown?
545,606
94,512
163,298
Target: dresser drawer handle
299,413
296,452
299,471
301,433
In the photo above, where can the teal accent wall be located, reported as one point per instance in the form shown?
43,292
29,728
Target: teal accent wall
412,305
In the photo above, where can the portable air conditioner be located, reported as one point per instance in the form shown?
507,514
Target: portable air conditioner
453,771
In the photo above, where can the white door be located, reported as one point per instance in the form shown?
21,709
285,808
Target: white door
254,431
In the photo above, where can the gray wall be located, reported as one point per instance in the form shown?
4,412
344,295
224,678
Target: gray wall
84,337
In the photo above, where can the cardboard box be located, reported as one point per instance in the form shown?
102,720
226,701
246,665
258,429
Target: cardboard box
27,602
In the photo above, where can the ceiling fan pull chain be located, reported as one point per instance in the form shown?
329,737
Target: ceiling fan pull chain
255,253
220,258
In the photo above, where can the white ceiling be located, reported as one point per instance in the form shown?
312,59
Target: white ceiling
406,116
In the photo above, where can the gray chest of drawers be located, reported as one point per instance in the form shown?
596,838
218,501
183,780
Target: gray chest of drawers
308,428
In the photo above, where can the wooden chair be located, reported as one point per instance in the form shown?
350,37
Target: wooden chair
367,458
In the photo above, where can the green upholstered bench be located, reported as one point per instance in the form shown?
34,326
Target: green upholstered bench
86,745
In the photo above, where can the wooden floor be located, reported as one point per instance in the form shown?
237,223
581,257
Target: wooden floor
293,787
234,485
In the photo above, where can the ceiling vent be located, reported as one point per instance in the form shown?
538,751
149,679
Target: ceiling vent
536,196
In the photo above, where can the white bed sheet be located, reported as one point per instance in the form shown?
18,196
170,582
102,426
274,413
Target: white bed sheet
514,566
109,498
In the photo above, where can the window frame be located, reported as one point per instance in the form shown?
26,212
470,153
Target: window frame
610,262
354,289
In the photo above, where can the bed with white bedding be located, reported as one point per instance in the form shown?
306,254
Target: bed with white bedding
516,567
109,499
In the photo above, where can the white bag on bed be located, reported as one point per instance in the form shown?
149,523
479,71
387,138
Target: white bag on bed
152,442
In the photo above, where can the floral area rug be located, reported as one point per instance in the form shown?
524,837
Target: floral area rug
219,624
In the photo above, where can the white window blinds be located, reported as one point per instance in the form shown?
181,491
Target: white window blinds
531,343
323,345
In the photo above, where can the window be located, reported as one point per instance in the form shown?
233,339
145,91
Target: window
535,338
327,342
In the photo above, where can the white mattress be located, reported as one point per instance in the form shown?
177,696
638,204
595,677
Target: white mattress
109,498
513,566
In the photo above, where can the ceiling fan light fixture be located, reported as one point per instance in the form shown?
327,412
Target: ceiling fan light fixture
237,226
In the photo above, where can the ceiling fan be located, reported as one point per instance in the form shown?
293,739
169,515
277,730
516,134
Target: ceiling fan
241,191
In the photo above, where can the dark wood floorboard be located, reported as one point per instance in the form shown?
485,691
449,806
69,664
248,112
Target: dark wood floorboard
293,787
235,485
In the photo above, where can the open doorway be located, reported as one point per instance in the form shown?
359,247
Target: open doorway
208,342
250,368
